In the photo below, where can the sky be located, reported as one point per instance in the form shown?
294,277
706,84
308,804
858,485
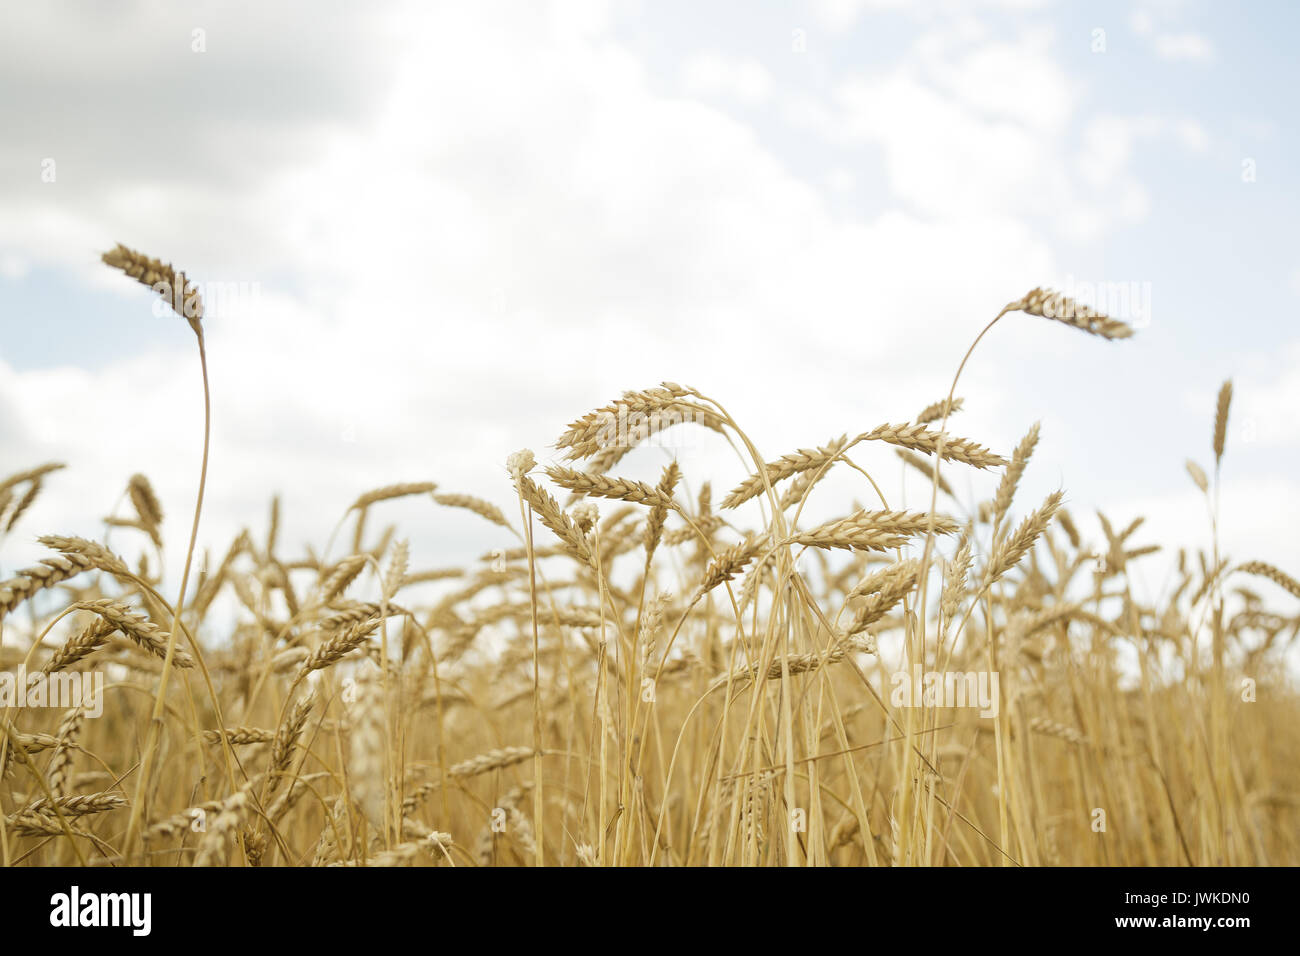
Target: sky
433,234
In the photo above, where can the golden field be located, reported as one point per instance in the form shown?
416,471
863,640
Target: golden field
659,673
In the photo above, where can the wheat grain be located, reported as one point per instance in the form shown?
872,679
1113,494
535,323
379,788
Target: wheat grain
338,646
50,572
492,760
1012,474
168,282
787,466
919,438
97,554
80,645
240,736
1014,547
480,507
389,492
1053,305
1276,575
874,530
623,489
60,766
939,410
1221,420
146,634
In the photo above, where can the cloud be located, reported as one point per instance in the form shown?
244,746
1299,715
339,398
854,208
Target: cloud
1266,407
973,124
510,233
458,252
1142,22
1159,23
841,15
712,74
1193,47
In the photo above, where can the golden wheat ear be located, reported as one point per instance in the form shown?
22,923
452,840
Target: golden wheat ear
1047,304
181,294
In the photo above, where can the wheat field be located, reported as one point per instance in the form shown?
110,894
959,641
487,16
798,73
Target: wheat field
666,674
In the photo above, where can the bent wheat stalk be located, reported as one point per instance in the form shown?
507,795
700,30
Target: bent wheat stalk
175,287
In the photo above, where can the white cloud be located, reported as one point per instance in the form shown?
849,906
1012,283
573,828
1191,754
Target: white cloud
13,267
1194,47
1142,22
1247,532
1159,23
474,246
1266,409
1192,135
841,180
972,124
839,15
712,74
516,231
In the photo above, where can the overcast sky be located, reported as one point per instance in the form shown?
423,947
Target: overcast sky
462,225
